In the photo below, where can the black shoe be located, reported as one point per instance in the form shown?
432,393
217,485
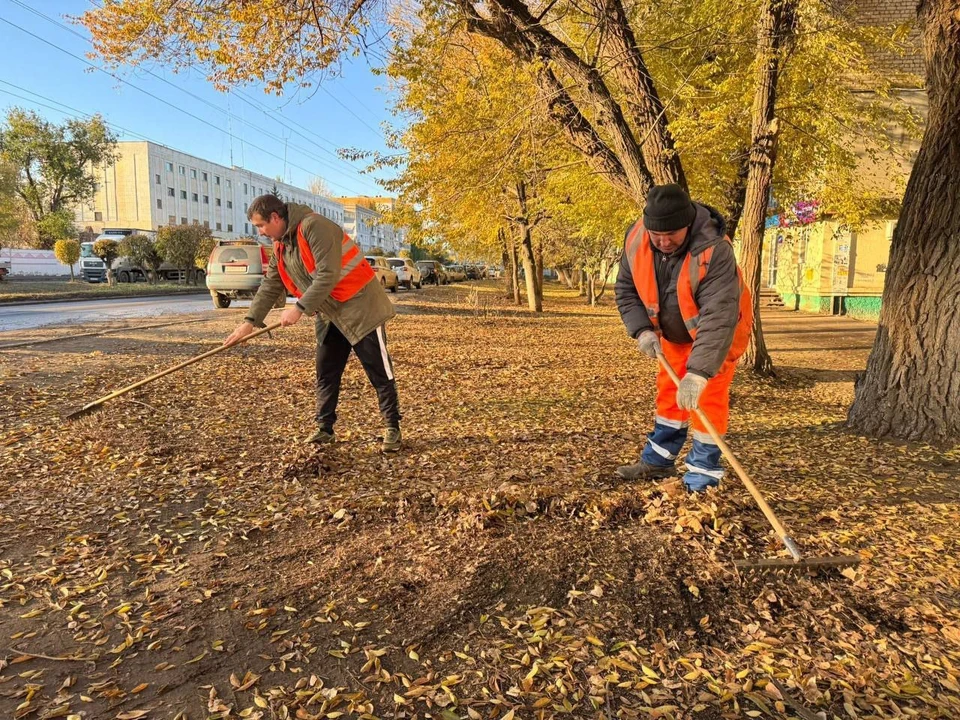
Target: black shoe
323,436
645,471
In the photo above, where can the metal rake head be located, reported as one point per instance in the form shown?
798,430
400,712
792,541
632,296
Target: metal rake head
789,566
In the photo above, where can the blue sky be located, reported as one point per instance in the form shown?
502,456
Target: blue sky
38,76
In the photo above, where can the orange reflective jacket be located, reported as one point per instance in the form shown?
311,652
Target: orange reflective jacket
692,273
355,271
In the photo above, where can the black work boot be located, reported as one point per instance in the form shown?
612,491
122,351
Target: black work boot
392,440
322,436
645,471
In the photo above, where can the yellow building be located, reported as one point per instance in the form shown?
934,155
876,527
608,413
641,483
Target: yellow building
826,267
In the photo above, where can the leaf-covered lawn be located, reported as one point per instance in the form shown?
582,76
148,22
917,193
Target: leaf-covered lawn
184,553
26,290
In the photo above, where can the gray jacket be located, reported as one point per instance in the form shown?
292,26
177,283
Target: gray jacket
718,295
355,318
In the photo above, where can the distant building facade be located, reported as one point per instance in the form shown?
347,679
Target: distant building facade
151,185
823,266
363,221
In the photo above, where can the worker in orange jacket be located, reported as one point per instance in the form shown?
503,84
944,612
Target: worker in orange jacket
679,291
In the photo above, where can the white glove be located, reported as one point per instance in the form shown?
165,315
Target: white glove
689,391
648,343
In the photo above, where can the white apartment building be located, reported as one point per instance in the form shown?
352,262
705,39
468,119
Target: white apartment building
365,225
151,185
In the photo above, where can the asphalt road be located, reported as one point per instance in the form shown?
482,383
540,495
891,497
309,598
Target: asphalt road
24,317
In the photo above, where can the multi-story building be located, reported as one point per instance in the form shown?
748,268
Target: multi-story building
825,266
151,185
363,221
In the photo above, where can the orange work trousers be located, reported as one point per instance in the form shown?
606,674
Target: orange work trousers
714,402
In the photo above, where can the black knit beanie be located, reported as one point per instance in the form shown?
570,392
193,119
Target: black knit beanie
668,209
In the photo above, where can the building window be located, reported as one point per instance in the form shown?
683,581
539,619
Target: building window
218,202
183,194
171,219
228,185
97,216
196,198
169,167
157,176
206,224
218,226
246,228
216,179
193,173
171,192
183,170
244,188
159,204
196,222
204,177
206,199
229,204
229,227
183,221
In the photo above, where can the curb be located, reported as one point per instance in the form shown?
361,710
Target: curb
82,298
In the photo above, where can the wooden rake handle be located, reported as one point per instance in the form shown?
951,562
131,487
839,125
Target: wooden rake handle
732,459
162,373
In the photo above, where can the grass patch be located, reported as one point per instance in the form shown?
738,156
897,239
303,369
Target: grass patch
26,290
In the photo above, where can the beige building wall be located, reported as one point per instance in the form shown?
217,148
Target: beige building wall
151,185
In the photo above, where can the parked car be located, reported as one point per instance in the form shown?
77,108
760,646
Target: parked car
495,271
472,271
455,273
385,274
4,268
236,269
408,274
432,271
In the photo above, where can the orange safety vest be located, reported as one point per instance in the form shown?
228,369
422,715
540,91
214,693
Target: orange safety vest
355,271
692,273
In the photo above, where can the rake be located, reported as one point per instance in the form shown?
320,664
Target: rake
95,405
797,561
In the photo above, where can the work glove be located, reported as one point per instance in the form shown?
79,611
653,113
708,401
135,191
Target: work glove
689,391
649,343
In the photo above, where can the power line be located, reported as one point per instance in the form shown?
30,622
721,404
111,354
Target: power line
194,96
347,108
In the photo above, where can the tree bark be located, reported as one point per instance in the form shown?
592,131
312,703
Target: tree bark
736,196
538,257
642,100
515,272
511,23
534,301
775,31
534,297
505,259
911,387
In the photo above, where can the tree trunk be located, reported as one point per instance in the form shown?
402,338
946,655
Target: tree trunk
776,29
641,98
736,196
538,256
512,24
534,301
910,388
505,259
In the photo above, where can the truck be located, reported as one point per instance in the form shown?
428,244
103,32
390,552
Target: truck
92,268
125,270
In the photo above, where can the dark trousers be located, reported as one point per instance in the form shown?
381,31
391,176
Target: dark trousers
333,351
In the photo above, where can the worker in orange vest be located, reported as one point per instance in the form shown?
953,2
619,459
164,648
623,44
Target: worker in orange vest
316,261
680,292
